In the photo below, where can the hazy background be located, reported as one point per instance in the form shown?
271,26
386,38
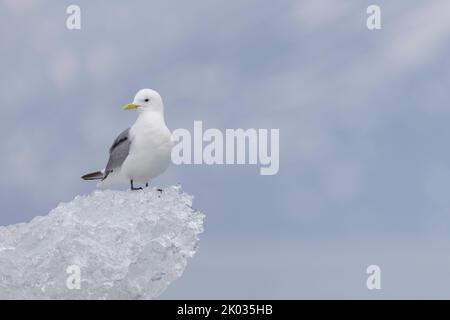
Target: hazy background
363,116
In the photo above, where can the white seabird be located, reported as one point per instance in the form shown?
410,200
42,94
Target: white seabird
142,151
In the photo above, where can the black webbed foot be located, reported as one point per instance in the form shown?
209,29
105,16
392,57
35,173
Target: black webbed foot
133,188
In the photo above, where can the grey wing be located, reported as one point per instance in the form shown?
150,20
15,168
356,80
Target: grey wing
118,152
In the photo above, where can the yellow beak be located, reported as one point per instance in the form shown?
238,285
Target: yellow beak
130,106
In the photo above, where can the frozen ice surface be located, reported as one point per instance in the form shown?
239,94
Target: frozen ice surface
127,245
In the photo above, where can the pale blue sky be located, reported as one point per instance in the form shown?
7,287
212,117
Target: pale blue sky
363,118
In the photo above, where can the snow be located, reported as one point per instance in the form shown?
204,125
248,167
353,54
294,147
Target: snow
126,244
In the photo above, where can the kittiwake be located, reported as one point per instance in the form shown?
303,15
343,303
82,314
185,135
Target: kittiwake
142,151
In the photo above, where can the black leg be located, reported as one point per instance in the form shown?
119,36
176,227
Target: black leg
146,185
132,187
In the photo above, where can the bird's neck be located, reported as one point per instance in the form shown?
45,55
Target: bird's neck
150,117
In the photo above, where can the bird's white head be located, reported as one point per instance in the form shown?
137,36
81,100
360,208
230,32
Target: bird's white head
146,100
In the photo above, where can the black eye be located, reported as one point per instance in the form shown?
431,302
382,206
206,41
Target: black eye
146,100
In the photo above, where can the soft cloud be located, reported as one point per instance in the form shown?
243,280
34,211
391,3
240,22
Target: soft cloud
64,68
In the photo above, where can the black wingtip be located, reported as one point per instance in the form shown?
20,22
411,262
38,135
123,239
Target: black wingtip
98,175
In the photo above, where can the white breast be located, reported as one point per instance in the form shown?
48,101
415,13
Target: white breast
150,149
